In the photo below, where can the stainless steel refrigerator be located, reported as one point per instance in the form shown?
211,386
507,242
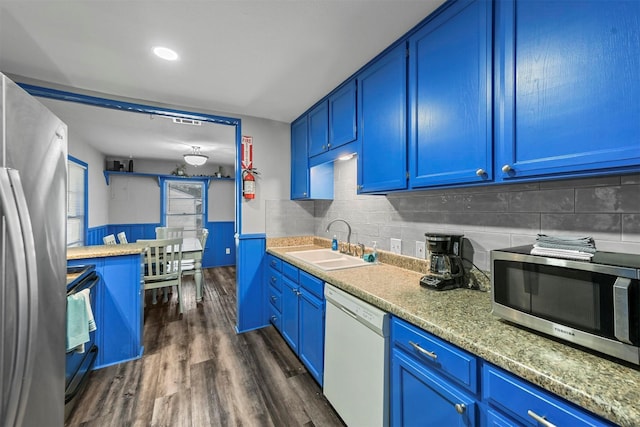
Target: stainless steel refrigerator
33,186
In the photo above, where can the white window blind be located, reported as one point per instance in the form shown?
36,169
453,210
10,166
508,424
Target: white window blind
184,206
76,214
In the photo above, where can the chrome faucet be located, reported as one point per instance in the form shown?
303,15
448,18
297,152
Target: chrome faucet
348,235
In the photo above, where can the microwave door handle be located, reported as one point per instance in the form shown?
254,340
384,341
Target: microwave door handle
621,309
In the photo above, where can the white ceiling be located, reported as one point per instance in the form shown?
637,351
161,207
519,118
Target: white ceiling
265,58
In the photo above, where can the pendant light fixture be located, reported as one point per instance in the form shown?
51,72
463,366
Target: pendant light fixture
195,158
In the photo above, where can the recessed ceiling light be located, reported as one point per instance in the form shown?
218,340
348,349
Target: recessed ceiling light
165,53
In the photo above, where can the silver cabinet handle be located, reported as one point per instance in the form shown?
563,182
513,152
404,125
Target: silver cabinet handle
621,309
423,351
273,318
541,420
481,172
22,246
273,279
460,408
273,298
507,168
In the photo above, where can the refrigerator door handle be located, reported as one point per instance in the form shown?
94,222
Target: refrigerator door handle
22,246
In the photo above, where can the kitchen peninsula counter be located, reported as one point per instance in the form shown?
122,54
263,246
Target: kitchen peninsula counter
463,317
119,299
101,251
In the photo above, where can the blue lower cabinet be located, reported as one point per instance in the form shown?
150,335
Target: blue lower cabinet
298,312
275,318
432,382
290,311
496,419
419,397
311,333
527,404
119,308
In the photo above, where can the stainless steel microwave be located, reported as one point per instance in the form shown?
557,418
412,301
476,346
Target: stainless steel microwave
593,304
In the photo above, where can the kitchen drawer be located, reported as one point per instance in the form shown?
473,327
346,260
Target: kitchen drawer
439,355
274,278
520,400
290,271
312,284
275,298
275,318
274,262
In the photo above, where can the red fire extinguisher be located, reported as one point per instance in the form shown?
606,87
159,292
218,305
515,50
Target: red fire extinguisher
249,183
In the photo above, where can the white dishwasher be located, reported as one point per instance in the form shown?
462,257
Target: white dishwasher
355,359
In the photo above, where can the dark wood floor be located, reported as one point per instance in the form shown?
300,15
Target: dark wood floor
196,371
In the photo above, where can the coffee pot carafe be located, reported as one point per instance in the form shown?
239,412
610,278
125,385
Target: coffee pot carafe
445,269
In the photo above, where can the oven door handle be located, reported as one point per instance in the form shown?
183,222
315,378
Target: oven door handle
621,309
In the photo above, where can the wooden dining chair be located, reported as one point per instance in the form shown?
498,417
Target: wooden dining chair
162,267
122,237
169,232
109,239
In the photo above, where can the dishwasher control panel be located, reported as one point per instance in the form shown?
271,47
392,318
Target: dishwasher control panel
363,311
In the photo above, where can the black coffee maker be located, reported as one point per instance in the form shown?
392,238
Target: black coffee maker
444,259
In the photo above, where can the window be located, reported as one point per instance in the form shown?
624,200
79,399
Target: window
184,205
76,202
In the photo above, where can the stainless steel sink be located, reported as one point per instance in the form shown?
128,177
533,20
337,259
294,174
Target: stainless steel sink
326,259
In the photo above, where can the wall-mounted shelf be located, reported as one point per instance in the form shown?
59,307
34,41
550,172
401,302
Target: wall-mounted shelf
207,179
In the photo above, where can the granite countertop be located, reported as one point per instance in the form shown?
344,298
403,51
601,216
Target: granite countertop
463,317
101,251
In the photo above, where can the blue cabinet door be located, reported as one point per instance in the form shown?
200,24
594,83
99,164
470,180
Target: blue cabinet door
290,313
450,128
527,404
382,111
567,87
299,165
342,115
119,308
421,398
319,129
311,345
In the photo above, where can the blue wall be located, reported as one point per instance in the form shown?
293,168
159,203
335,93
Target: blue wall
221,237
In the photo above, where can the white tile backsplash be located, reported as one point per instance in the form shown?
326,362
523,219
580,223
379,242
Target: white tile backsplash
491,217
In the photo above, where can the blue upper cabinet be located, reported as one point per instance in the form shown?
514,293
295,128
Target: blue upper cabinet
307,182
342,115
450,94
319,129
567,88
382,119
299,165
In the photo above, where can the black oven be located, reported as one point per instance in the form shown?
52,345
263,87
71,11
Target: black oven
594,304
79,364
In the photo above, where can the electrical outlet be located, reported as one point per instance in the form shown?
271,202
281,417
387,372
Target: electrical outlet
420,249
396,246
227,251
